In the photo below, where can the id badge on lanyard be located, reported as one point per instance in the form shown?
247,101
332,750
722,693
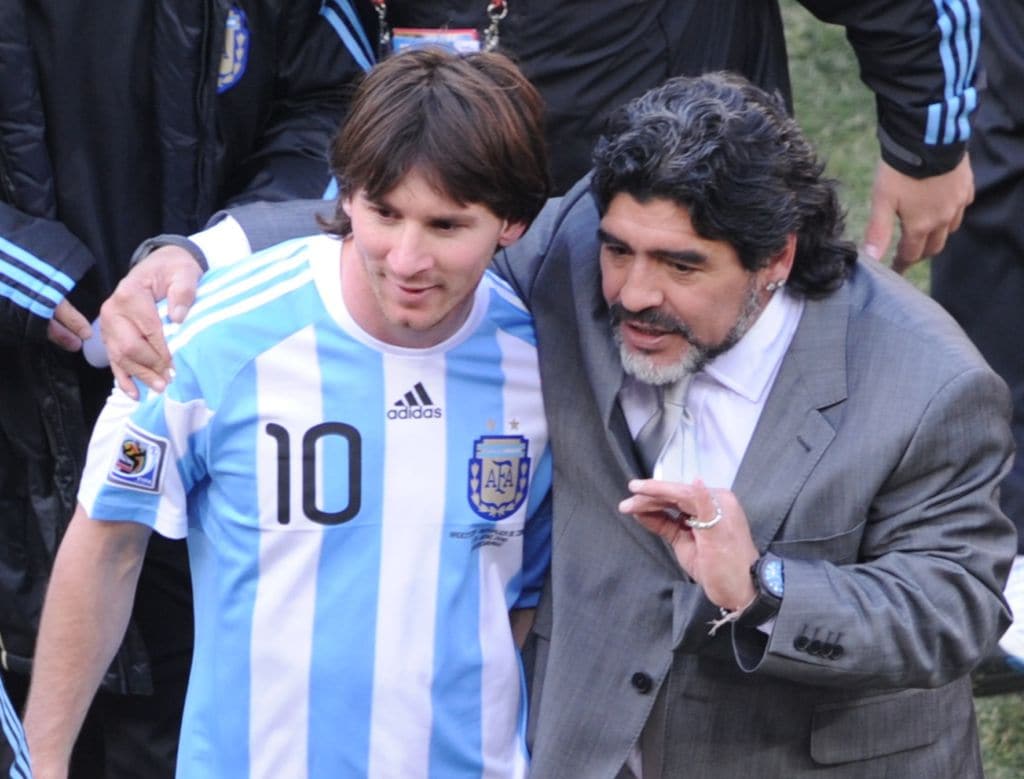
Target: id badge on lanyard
462,41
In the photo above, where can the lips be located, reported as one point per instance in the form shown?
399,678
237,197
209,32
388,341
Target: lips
405,294
645,337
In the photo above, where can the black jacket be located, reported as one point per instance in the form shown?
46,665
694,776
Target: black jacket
589,56
119,121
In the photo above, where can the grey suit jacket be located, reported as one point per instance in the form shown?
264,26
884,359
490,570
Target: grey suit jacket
872,472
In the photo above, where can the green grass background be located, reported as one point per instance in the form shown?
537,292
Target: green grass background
837,112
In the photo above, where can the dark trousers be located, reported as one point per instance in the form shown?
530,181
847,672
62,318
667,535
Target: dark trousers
979,277
136,736
125,736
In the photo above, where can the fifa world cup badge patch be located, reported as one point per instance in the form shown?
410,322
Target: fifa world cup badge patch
140,461
236,50
499,473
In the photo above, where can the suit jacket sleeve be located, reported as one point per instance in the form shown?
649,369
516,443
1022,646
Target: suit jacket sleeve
521,263
922,603
919,59
266,224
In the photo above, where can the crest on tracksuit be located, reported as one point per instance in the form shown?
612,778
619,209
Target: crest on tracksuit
499,473
236,49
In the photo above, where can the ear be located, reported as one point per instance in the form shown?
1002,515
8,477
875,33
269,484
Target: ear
510,233
346,206
781,264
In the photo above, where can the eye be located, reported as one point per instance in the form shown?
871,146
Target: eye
615,249
383,212
445,225
681,268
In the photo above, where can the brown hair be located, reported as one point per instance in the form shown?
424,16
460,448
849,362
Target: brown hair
472,125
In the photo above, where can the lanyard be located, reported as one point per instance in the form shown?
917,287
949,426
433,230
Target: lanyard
496,11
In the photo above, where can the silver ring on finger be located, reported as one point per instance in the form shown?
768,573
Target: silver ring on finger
696,524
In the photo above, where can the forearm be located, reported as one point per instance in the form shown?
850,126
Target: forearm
84,618
919,59
235,233
911,595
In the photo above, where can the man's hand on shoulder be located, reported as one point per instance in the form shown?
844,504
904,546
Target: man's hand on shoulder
928,210
131,328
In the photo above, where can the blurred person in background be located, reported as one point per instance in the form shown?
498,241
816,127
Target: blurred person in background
979,278
117,122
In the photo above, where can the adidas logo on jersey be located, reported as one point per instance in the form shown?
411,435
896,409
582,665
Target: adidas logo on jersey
415,404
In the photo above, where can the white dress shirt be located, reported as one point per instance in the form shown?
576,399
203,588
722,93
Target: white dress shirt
726,397
724,402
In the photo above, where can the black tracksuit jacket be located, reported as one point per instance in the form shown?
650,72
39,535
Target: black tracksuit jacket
116,124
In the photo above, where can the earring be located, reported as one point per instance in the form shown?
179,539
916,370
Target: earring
772,286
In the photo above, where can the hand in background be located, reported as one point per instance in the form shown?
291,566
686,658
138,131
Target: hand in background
68,328
928,210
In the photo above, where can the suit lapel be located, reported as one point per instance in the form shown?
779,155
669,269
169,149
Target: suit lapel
601,362
792,433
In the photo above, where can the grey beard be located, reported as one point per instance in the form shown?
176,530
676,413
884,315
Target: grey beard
700,353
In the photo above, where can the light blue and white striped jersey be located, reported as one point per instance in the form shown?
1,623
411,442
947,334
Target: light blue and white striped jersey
360,519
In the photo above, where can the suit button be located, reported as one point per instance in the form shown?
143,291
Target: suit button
826,650
837,652
814,648
800,643
642,682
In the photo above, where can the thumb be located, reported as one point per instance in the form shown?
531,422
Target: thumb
181,294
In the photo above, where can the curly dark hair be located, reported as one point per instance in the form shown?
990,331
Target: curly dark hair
471,124
728,153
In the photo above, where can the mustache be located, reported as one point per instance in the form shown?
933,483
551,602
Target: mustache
650,317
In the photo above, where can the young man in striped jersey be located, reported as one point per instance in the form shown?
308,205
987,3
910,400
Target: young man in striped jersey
355,447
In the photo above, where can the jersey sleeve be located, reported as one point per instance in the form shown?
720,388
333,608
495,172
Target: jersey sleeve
145,457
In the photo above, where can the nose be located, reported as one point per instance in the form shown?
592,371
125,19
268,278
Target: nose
410,253
641,285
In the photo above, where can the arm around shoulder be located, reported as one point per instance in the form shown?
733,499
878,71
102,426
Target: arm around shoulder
548,239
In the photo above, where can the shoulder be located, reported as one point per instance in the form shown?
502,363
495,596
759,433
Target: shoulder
890,316
244,309
906,359
506,311
566,228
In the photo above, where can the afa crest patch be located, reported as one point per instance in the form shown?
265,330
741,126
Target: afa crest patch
236,50
499,472
140,461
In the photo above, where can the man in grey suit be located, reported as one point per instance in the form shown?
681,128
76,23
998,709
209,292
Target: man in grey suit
818,565
843,535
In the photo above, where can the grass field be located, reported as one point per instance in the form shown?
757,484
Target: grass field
837,111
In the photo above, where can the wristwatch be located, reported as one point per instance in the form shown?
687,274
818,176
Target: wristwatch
768,576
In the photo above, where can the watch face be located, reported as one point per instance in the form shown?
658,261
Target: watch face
771,577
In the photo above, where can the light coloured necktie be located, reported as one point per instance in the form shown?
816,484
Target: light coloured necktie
663,424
